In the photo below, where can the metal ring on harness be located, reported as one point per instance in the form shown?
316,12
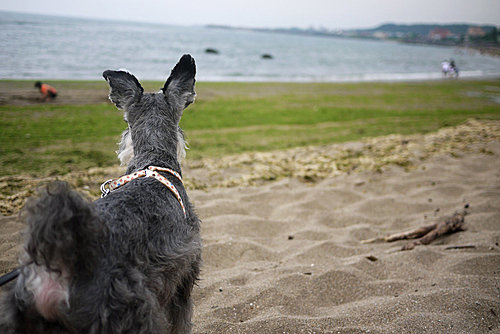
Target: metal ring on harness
104,189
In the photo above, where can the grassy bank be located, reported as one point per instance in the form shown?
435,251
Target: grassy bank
228,118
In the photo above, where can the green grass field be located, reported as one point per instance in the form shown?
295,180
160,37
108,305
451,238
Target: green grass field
227,118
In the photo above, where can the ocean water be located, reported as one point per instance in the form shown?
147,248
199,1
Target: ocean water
49,47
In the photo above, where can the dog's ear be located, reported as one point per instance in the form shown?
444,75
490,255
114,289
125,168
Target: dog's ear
179,87
124,88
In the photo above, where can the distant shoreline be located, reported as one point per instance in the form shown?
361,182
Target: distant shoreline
365,78
405,34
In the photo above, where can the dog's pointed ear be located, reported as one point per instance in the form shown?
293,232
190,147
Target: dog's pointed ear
124,88
179,87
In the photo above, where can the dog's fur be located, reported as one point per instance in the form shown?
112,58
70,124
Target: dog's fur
125,263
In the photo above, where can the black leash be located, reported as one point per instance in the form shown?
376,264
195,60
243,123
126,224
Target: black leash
9,276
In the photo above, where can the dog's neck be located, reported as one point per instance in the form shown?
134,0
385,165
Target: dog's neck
156,150
140,162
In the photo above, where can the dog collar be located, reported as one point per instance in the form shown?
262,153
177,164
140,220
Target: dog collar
151,171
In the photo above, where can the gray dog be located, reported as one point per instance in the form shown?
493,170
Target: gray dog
127,262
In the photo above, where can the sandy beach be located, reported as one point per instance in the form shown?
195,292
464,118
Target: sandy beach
286,257
283,253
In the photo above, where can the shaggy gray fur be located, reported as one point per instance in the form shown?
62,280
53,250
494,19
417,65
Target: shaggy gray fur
125,263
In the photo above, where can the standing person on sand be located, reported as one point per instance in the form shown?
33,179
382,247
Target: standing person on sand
454,68
445,67
47,91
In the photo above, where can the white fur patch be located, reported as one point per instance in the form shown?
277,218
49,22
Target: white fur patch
49,289
181,147
126,150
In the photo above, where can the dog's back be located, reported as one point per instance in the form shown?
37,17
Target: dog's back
127,262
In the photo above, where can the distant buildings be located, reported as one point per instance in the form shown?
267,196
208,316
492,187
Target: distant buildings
475,32
444,34
454,34
439,34
380,35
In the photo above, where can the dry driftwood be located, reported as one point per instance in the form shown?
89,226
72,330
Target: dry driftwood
427,234
402,236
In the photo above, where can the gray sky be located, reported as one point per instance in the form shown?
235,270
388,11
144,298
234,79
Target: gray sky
332,14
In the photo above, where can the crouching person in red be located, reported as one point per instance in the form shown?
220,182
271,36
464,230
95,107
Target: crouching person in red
48,92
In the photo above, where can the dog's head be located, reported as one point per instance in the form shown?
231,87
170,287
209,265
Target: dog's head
153,118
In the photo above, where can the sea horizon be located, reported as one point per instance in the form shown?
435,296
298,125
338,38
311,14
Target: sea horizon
69,48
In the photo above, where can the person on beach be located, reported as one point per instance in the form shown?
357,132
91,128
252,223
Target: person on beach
453,68
448,68
445,67
48,92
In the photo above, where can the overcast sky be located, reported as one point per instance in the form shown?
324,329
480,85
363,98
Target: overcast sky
331,14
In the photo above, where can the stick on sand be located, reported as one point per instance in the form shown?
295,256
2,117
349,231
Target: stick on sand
426,234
